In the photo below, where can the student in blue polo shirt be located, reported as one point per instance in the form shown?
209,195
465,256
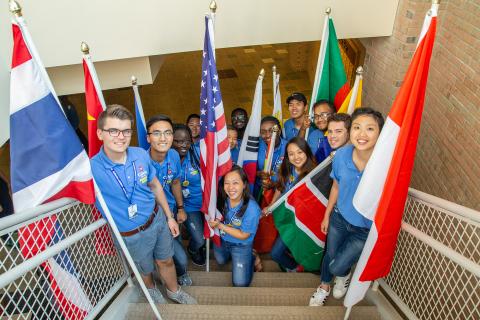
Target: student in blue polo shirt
167,164
347,228
316,139
232,135
297,106
241,214
126,178
190,179
266,130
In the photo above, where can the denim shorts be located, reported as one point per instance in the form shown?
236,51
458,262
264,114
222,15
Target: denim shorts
154,243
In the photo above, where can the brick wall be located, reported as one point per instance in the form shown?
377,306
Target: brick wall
447,163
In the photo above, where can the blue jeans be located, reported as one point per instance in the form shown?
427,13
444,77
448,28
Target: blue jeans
180,256
242,261
344,245
194,224
281,255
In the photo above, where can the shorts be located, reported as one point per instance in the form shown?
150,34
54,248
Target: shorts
154,243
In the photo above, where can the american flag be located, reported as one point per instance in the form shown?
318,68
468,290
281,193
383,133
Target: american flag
215,158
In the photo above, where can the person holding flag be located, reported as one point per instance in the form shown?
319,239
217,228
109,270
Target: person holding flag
346,228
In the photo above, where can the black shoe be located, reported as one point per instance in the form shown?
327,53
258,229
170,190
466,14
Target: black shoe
198,257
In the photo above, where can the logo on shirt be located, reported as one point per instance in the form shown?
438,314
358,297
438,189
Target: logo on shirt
142,175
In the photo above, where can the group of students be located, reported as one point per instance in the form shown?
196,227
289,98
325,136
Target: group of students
150,193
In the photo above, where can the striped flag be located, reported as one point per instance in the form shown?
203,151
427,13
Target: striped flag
382,192
247,157
298,216
215,158
94,100
141,124
40,130
354,99
330,78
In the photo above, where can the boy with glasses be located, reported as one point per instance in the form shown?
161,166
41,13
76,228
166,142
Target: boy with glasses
126,178
239,122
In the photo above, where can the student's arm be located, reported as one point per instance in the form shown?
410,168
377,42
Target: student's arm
305,125
177,193
266,211
236,233
332,200
161,199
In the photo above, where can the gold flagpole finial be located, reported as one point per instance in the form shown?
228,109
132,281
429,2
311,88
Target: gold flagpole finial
213,6
262,73
84,47
275,128
134,81
328,10
435,1
15,8
274,68
359,70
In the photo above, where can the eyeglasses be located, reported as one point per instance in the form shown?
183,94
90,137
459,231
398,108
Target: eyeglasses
113,132
182,142
322,115
158,134
239,117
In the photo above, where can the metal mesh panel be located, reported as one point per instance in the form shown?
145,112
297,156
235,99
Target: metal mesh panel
77,274
430,284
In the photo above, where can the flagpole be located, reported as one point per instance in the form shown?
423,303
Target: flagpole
320,62
119,238
93,73
213,10
353,99
271,147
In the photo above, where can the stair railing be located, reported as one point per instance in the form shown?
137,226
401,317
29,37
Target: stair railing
436,270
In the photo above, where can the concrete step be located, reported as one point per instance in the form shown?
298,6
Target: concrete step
268,266
253,296
260,279
222,312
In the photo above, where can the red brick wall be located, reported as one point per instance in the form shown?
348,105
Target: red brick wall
448,155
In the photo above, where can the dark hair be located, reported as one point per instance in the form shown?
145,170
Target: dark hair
297,96
287,167
192,116
245,195
366,111
230,127
341,117
274,120
194,158
239,110
328,103
157,118
115,111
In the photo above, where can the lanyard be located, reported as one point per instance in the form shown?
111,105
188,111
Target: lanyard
120,183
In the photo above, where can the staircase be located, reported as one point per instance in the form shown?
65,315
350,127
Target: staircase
273,294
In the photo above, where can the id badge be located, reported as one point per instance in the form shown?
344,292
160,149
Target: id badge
132,211
186,193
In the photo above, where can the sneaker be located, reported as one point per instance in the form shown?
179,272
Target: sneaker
198,257
184,280
341,286
318,298
181,297
299,268
156,296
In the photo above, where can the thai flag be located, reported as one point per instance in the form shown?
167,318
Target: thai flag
248,155
382,192
215,159
47,162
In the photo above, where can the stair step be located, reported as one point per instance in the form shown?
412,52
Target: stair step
268,266
253,296
222,312
260,279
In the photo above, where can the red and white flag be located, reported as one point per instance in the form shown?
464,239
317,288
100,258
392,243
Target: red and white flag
215,158
382,192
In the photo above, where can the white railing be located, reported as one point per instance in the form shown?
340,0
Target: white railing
63,241
436,271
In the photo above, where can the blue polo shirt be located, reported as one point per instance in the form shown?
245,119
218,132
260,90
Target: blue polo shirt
291,181
278,155
248,223
112,192
167,171
315,138
290,130
192,188
234,153
348,177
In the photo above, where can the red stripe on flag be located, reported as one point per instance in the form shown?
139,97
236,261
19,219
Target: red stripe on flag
82,191
341,95
21,54
407,113
94,108
207,170
308,210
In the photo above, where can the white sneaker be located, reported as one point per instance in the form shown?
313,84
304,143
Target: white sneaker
318,298
157,297
341,286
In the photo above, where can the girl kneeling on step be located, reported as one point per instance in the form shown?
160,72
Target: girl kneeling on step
237,230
